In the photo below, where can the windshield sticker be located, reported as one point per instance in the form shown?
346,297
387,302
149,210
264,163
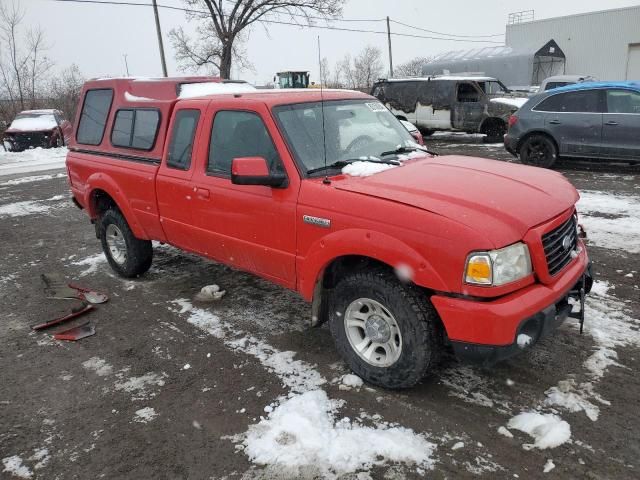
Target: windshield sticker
376,107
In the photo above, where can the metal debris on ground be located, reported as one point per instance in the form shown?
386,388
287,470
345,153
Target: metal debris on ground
76,311
57,286
76,333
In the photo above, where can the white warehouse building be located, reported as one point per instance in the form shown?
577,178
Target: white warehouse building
604,44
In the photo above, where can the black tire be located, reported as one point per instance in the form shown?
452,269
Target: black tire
138,253
416,319
538,151
494,131
426,132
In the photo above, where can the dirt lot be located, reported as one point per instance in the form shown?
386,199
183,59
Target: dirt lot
170,389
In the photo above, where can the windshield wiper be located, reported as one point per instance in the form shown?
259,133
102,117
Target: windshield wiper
344,163
403,149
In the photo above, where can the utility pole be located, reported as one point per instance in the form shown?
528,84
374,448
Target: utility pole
390,55
126,64
159,32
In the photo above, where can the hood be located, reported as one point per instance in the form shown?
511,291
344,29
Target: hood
500,200
515,102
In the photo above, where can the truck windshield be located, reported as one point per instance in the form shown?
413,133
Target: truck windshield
354,129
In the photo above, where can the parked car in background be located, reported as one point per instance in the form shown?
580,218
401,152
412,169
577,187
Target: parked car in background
564,80
459,103
413,130
599,120
37,128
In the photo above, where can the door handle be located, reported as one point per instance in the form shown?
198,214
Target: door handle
611,123
202,193
555,122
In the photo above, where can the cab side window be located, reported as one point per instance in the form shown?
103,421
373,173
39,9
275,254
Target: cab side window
467,93
182,135
238,134
135,128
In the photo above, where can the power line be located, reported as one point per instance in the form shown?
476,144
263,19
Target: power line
280,22
447,34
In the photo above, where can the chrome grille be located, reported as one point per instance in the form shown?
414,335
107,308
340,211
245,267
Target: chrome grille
556,249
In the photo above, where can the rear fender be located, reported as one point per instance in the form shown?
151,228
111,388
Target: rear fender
101,181
364,243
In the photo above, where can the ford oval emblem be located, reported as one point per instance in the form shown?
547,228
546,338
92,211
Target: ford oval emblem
566,242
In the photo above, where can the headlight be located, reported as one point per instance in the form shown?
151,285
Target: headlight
498,267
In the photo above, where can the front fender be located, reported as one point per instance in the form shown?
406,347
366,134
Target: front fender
365,243
102,181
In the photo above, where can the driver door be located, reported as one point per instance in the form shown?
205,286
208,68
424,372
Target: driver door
469,107
251,227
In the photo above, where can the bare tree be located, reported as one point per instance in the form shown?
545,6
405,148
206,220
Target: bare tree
412,68
64,91
224,21
361,72
22,60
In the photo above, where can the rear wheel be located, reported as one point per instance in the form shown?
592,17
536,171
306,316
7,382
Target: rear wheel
539,151
494,131
387,332
128,256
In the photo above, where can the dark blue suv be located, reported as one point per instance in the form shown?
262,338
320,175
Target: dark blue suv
599,120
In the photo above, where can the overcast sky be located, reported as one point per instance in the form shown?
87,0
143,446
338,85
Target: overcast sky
95,37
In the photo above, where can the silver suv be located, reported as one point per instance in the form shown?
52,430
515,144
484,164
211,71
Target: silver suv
599,120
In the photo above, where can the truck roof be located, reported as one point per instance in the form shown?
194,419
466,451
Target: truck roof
287,95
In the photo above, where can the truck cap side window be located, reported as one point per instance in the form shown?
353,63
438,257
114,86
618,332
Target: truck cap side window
181,146
135,128
239,134
93,118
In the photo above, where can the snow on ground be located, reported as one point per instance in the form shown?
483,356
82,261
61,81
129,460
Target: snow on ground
99,366
548,431
33,160
611,221
92,263
548,466
22,209
145,415
305,431
140,386
32,178
365,169
13,465
302,429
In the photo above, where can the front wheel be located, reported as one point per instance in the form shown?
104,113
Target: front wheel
539,151
387,332
128,256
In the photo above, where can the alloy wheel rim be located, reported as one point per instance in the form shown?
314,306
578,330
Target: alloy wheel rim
373,332
116,244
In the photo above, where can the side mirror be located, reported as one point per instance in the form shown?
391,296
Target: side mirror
254,171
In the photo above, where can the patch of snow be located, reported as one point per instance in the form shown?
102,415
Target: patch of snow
34,123
505,432
201,89
33,160
145,415
365,169
133,98
99,366
524,340
92,263
511,101
619,233
303,431
466,384
139,386
510,383
548,466
22,209
548,430
186,367
574,399
14,466
404,272
41,456
352,381
32,178
457,446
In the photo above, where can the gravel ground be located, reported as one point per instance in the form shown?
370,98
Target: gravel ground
169,389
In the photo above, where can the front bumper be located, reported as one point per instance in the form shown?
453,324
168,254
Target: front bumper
487,331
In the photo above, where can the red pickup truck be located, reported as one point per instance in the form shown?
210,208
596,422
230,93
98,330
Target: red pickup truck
403,252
